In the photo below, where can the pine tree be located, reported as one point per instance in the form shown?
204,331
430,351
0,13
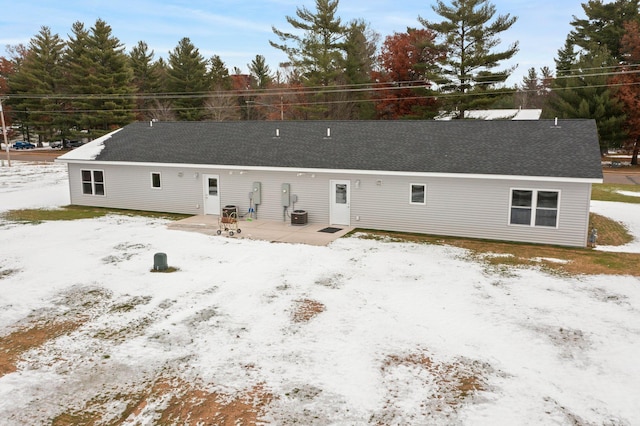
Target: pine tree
100,76
469,37
566,57
218,75
146,79
40,76
187,78
220,104
535,88
260,72
161,108
359,60
580,94
604,24
76,50
318,52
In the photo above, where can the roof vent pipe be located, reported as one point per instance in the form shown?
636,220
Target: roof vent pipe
151,123
556,122
277,133
328,132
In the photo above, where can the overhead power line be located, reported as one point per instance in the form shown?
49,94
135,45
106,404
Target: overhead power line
311,90
374,88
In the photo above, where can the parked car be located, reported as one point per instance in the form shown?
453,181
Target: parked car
55,144
71,144
23,145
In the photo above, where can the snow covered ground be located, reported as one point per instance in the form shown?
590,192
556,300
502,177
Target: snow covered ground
359,332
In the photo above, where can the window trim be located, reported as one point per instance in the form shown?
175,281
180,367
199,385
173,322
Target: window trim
534,207
93,183
159,180
424,194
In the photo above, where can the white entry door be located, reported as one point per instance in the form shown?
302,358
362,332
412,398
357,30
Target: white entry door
340,203
211,194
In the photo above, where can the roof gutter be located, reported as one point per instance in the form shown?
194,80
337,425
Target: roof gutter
334,171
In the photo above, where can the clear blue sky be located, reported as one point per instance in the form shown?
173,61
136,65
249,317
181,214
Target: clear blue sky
238,30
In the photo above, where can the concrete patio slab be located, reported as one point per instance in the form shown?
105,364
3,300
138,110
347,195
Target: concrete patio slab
264,230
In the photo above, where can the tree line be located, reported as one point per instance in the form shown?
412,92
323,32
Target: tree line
89,84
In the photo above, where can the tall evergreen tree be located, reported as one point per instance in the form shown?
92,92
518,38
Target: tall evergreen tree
257,104
260,72
604,24
74,72
566,57
40,78
316,50
535,88
146,79
76,50
187,79
220,104
100,76
218,75
593,50
162,108
588,95
360,57
470,38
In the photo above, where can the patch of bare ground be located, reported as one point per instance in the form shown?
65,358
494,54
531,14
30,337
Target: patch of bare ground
197,406
76,306
306,309
173,401
448,385
31,336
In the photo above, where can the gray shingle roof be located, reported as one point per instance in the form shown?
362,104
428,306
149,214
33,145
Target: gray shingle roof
517,148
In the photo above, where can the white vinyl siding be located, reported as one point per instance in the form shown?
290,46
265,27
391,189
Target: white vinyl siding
459,207
130,188
476,208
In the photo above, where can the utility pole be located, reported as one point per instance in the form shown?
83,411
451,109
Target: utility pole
281,109
4,134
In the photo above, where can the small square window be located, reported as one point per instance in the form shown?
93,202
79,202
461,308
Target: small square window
418,193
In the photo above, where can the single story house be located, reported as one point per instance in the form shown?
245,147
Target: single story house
527,181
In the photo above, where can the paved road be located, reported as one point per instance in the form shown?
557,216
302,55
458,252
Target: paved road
44,154
628,178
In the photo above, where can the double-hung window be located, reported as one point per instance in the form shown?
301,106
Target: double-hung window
93,182
531,207
418,194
